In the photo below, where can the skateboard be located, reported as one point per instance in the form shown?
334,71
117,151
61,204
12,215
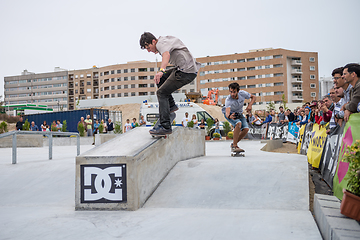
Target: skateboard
238,154
172,118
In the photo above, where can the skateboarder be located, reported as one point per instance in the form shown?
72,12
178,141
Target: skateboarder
233,112
173,51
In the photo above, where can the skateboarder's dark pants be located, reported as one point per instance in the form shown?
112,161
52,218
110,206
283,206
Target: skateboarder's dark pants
176,80
162,80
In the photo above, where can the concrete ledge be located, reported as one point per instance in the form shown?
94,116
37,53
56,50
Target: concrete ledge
332,224
146,160
272,144
102,138
22,141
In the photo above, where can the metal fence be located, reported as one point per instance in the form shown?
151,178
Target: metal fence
48,134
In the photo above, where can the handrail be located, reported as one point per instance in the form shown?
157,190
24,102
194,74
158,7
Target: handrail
49,134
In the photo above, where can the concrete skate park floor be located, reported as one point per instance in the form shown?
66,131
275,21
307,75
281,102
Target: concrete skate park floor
262,196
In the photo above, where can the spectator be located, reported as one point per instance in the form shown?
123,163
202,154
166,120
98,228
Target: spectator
291,115
257,121
104,125
96,126
194,120
185,120
318,113
217,126
338,102
88,122
313,107
339,81
127,126
304,117
53,126
142,122
110,126
268,117
43,126
250,118
133,124
58,126
34,127
19,124
81,121
281,115
328,106
351,75
273,115
202,124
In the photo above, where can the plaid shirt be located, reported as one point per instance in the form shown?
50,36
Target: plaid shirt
337,108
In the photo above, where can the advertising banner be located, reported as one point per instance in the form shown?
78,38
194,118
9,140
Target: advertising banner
316,145
300,138
306,139
293,132
351,133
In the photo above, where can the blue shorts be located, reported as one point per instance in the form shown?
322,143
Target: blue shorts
242,119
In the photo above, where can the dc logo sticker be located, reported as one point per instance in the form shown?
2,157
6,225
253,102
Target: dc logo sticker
103,183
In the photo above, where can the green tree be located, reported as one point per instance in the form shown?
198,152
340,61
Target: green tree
64,126
284,101
26,125
227,127
117,128
210,124
3,127
81,129
270,106
190,124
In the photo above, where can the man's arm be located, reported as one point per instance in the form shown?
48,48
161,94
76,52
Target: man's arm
249,107
164,63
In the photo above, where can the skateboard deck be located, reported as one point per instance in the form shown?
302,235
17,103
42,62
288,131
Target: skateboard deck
238,154
172,118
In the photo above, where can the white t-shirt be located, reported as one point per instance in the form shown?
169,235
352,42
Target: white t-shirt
236,105
127,126
185,120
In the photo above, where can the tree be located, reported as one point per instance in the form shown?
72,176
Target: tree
2,109
284,102
270,106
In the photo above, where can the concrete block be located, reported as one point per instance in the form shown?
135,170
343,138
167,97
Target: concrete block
102,138
332,224
22,141
68,141
272,144
146,161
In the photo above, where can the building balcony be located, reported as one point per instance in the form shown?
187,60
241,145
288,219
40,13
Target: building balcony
296,71
296,89
296,62
296,80
297,98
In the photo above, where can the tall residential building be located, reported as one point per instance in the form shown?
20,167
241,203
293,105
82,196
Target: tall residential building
326,83
267,73
43,88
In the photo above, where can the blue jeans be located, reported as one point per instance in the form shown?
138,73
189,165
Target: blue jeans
242,119
217,130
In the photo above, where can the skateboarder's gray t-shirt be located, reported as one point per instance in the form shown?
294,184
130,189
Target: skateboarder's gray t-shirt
180,55
236,105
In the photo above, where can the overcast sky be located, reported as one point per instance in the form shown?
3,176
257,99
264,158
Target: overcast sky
40,35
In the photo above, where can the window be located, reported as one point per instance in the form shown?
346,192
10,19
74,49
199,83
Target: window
152,85
82,76
113,80
88,75
312,76
279,93
151,69
88,90
125,86
216,63
250,59
241,60
142,77
278,65
278,84
241,69
132,85
119,94
142,85
112,71
142,69
88,83
151,77
132,77
251,68
125,78
312,68
118,71
259,76
202,73
224,62
277,56
278,74
259,67
251,86
133,70
132,94
268,85
152,93
125,70
143,93
106,88
260,85
76,91
241,78
119,79
311,59
267,75
312,85
225,70
313,94
118,86
232,61
112,87
251,77
242,87
106,73
126,94
113,95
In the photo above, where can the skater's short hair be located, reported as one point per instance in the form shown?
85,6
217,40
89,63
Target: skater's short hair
235,86
146,39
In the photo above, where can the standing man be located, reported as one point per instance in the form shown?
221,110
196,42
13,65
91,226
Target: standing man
281,115
339,81
110,126
233,112
88,122
34,127
19,124
351,75
173,51
185,120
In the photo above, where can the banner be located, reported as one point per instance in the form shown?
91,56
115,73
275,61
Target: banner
254,132
306,139
330,155
350,134
277,131
316,145
300,138
293,132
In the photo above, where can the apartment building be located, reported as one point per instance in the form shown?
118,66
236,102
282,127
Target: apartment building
49,89
83,84
325,84
267,73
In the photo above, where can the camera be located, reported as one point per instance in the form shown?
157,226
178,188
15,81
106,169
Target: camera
237,115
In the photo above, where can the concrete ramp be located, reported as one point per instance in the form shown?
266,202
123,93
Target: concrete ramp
122,173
